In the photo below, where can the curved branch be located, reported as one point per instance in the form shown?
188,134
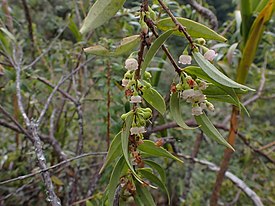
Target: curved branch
233,178
205,12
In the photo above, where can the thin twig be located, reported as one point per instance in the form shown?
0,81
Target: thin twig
47,104
29,20
51,196
47,50
22,130
54,166
181,28
205,12
237,181
259,91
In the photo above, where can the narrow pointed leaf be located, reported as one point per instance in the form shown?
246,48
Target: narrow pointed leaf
149,147
154,49
118,171
154,179
253,40
154,99
195,29
101,11
113,152
175,111
97,50
124,143
143,195
210,130
126,45
215,74
158,168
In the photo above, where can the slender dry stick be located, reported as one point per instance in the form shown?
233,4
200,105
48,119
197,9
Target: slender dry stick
237,181
233,131
205,12
33,130
54,166
47,50
181,28
190,167
231,140
6,10
29,20
150,24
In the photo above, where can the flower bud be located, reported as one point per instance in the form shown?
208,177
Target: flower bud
147,75
135,99
125,82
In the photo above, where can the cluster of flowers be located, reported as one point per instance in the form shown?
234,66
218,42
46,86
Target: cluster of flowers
142,114
191,91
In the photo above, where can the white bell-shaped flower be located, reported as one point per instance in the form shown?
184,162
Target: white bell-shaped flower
210,55
135,99
185,59
131,64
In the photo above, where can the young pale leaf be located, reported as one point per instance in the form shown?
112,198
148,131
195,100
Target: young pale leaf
118,171
195,29
154,99
210,130
175,111
126,45
124,143
158,168
101,11
154,48
113,152
97,50
154,179
143,196
149,147
215,74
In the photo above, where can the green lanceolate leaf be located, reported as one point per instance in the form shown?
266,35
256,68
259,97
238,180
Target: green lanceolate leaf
143,196
124,143
97,50
193,28
175,111
149,147
158,168
254,37
113,152
126,45
118,171
215,74
154,179
210,130
154,48
74,29
154,99
101,11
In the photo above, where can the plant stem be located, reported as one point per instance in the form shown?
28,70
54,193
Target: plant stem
226,157
181,28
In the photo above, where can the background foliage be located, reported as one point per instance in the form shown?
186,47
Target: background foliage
55,26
